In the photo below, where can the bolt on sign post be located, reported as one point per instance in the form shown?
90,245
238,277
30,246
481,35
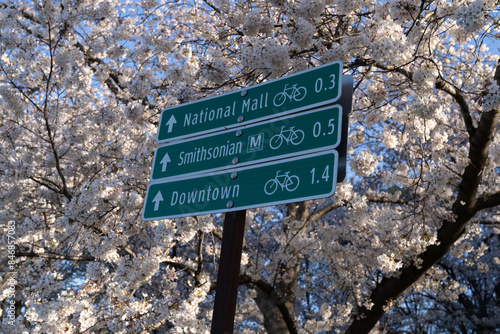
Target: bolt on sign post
273,143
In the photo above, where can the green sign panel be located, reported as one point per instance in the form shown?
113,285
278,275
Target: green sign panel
296,134
283,181
308,89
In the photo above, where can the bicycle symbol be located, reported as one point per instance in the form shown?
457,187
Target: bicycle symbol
292,93
289,136
284,180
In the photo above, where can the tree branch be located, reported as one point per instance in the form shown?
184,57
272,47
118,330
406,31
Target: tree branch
462,103
323,211
277,300
64,188
56,256
199,268
212,6
464,208
179,266
488,201
440,84
376,199
8,277
48,184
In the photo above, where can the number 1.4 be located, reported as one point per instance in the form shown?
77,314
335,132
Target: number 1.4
325,176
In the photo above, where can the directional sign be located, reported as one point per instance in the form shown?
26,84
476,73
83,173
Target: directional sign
315,87
296,134
283,181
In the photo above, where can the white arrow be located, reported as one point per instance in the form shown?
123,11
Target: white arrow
170,123
158,198
164,162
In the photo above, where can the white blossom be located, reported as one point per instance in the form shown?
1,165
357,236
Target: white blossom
425,76
82,88
301,33
492,98
474,16
364,163
388,263
390,140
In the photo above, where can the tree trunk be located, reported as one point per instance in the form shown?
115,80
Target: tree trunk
465,207
277,303
273,320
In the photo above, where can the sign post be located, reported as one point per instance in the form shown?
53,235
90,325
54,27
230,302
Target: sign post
272,143
228,274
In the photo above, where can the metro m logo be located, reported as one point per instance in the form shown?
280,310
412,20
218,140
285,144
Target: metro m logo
255,143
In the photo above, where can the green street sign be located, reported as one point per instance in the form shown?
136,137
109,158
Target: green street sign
296,179
308,89
301,133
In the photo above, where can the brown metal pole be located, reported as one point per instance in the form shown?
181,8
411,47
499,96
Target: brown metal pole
228,274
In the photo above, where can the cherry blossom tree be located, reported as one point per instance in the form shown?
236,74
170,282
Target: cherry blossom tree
408,243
